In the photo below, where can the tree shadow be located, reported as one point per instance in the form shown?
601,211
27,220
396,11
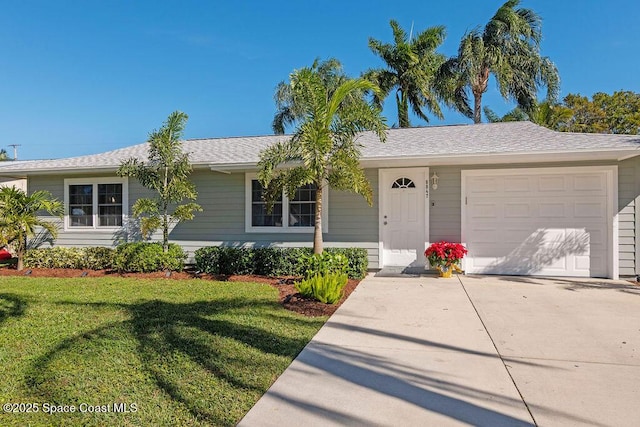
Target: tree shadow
537,252
11,305
222,347
577,284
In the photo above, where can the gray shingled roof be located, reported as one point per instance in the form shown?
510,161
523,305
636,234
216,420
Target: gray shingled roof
423,142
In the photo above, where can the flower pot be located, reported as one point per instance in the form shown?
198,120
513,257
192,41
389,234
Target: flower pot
445,272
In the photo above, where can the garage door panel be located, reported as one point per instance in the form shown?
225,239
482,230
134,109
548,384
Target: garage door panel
592,183
545,224
518,184
552,184
594,209
552,210
517,209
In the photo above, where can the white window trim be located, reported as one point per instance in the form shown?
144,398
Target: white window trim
248,228
94,182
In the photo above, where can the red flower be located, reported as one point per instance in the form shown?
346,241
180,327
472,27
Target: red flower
445,253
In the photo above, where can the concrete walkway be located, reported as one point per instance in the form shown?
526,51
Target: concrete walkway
487,351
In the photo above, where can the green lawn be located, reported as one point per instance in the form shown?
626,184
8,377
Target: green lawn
184,352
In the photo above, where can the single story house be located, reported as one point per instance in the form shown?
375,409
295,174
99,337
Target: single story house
525,200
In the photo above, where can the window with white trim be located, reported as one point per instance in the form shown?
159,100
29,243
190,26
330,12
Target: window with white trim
95,203
287,215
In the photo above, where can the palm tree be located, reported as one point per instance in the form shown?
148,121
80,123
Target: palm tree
412,64
550,115
19,217
166,173
323,150
508,48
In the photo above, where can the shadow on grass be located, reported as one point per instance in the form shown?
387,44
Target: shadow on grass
11,305
188,349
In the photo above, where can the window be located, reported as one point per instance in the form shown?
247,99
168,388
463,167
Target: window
259,215
403,183
81,205
288,215
95,202
110,205
302,209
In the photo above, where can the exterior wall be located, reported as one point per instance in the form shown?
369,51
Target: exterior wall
628,205
445,215
10,182
352,222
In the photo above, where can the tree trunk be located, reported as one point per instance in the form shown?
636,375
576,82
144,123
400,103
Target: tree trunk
477,108
20,249
165,234
403,110
478,89
317,230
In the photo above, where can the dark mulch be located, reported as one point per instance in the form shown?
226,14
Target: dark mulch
289,296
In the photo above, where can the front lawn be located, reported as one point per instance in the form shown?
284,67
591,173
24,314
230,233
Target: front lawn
170,352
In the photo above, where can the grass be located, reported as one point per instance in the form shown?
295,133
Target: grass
184,352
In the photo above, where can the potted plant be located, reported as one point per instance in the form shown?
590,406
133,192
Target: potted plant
445,257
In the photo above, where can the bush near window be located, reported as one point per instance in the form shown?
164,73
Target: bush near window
88,258
326,288
272,261
144,257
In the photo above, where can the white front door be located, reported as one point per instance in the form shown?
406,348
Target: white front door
403,216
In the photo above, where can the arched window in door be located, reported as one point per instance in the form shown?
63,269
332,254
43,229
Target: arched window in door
403,183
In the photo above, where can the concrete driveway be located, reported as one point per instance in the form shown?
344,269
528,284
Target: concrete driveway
490,351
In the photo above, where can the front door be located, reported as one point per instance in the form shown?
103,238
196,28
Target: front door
403,216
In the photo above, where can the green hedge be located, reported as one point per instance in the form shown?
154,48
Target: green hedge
147,257
90,258
271,261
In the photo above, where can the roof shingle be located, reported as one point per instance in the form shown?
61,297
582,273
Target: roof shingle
452,140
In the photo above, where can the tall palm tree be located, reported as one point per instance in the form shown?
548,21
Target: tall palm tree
324,149
509,48
19,217
412,64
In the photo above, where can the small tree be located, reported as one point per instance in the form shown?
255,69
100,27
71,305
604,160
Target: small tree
167,173
19,219
329,112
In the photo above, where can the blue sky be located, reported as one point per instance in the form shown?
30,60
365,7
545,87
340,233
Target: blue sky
81,77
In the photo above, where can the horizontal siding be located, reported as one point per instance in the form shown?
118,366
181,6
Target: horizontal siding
352,222
627,206
444,209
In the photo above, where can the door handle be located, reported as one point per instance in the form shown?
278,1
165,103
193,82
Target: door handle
385,223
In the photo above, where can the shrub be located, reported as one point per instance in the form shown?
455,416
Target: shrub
147,257
272,261
236,260
324,288
358,260
98,258
92,258
208,259
323,264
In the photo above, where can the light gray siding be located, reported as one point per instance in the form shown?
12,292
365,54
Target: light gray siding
628,191
351,223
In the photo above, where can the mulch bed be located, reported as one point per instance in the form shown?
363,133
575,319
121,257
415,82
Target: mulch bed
290,298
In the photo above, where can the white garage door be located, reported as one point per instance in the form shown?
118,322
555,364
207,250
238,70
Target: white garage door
538,221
